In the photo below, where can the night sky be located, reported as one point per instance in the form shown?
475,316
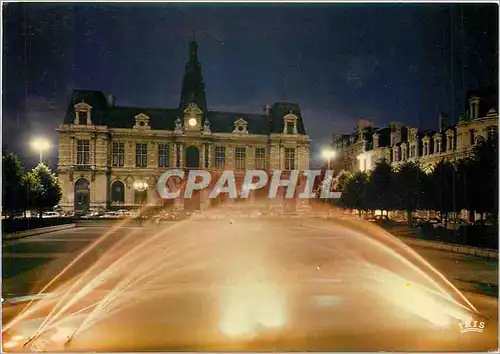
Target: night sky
340,62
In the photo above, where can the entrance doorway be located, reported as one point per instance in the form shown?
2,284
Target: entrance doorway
193,162
82,196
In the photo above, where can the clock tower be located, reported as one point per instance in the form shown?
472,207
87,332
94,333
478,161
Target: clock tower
193,87
193,117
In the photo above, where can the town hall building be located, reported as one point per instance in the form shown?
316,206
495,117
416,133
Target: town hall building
112,156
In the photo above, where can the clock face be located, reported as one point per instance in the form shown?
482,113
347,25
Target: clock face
192,122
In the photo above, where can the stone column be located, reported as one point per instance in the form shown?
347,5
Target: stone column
202,156
181,155
173,156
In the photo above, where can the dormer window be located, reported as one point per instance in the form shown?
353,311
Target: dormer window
83,114
240,126
449,140
290,124
141,121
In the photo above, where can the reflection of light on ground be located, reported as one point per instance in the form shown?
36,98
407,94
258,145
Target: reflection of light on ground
9,345
248,306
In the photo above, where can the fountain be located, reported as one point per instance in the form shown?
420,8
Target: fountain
215,284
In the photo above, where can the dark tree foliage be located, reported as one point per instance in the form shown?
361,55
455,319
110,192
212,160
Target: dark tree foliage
354,195
13,192
483,170
380,191
409,188
443,190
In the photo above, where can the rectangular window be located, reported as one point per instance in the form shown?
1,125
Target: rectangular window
492,133
289,159
163,155
290,127
472,137
118,154
239,158
220,157
260,158
82,118
412,151
141,155
83,152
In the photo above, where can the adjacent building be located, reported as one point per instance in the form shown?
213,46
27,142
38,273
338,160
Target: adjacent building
396,143
107,150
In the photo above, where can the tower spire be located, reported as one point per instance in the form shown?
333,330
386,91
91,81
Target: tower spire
193,87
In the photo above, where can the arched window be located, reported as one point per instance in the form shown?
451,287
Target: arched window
117,192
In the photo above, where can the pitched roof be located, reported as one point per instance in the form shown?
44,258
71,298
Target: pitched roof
164,118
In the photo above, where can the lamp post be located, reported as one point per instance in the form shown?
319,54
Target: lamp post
328,155
140,186
40,144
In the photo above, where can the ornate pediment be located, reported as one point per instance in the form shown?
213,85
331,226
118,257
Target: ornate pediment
240,126
83,113
82,107
290,116
142,121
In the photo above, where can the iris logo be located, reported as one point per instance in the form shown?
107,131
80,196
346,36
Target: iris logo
471,326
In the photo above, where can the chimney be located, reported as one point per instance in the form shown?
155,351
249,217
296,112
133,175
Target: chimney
111,100
266,109
442,121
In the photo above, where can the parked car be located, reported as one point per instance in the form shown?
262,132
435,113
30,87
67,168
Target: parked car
124,212
432,223
111,215
51,214
454,224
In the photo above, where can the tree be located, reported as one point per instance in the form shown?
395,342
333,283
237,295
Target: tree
43,188
380,192
409,188
13,195
355,193
442,192
484,177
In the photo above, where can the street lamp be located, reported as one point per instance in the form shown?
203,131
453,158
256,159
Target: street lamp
40,144
140,186
328,155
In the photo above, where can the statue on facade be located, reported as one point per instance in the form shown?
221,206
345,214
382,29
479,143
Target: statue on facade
206,126
178,125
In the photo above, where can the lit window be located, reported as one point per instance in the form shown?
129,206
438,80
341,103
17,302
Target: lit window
141,155
289,159
83,152
220,157
239,158
163,155
118,154
260,158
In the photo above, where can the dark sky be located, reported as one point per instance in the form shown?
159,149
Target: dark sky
340,62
